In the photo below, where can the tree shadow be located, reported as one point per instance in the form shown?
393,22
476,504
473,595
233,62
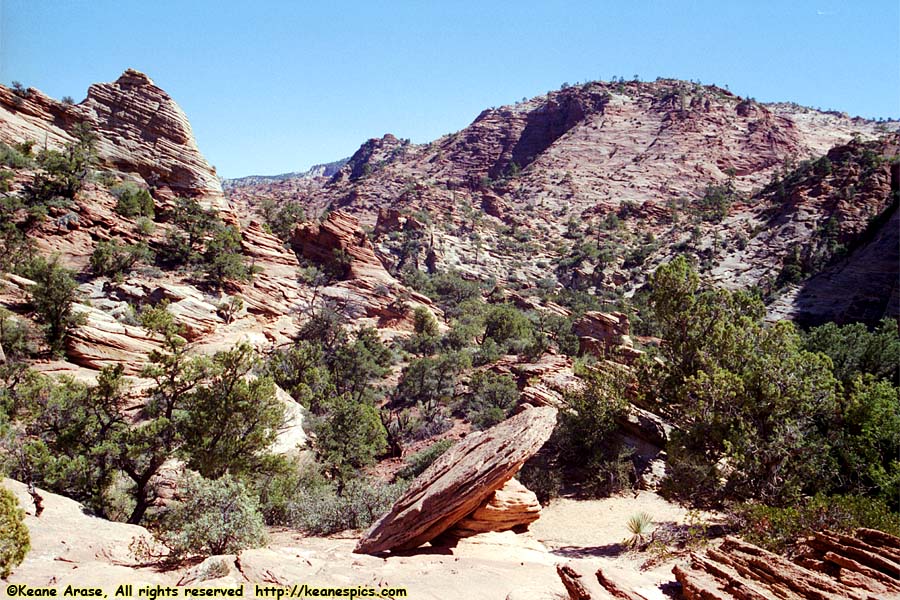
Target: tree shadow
608,550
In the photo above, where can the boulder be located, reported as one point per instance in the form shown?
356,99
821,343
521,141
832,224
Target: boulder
513,506
460,481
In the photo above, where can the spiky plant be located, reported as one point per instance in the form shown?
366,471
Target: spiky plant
639,526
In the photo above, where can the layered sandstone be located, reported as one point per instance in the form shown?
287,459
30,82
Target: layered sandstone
460,481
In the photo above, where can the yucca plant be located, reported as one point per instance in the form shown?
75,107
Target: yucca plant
639,526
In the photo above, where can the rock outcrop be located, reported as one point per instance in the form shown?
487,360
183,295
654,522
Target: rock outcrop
863,567
606,334
101,341
340,244
340,233
141,132
459,482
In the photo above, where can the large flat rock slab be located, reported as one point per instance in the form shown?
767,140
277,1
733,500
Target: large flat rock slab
460,481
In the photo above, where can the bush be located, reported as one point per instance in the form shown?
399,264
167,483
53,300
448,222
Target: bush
322,511
112,258
779,529
493,399
508,327
14,539
133,201
586,433
348,437
222,259
426,334
855,350
13,337
17,156
281,219
62,174
214,517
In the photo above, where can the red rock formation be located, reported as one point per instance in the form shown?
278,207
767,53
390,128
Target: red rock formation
340,232
141,130
459,481
839,567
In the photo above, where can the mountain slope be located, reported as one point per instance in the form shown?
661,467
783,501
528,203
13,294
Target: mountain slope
638,171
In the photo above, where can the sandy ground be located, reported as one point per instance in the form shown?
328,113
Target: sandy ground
69,546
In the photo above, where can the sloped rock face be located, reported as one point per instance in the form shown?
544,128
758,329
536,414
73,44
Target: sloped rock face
140,128
460,481
504,191
340,232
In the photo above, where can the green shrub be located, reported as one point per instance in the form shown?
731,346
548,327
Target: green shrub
739,390
281,219
213,517
62,173
322,511
855,350
52,297
348,437
493,399
133,201
14,539
542,475
429,380
508,327
112,258
426,334
418,462
145,226
779,529
17,156
586,432
14,337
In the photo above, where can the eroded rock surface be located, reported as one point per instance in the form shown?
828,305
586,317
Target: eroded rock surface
458,482
836,567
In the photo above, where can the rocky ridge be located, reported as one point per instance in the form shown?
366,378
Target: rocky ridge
621,165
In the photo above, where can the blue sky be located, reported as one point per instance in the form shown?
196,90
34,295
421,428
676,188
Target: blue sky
275,86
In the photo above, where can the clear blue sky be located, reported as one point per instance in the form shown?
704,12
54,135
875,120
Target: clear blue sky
275,86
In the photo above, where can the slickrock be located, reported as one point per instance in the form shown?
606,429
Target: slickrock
459,482
340,232
368,288
513,506
69,546
585,581
143,130
102,341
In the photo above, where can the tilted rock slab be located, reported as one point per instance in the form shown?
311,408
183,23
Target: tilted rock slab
458,482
